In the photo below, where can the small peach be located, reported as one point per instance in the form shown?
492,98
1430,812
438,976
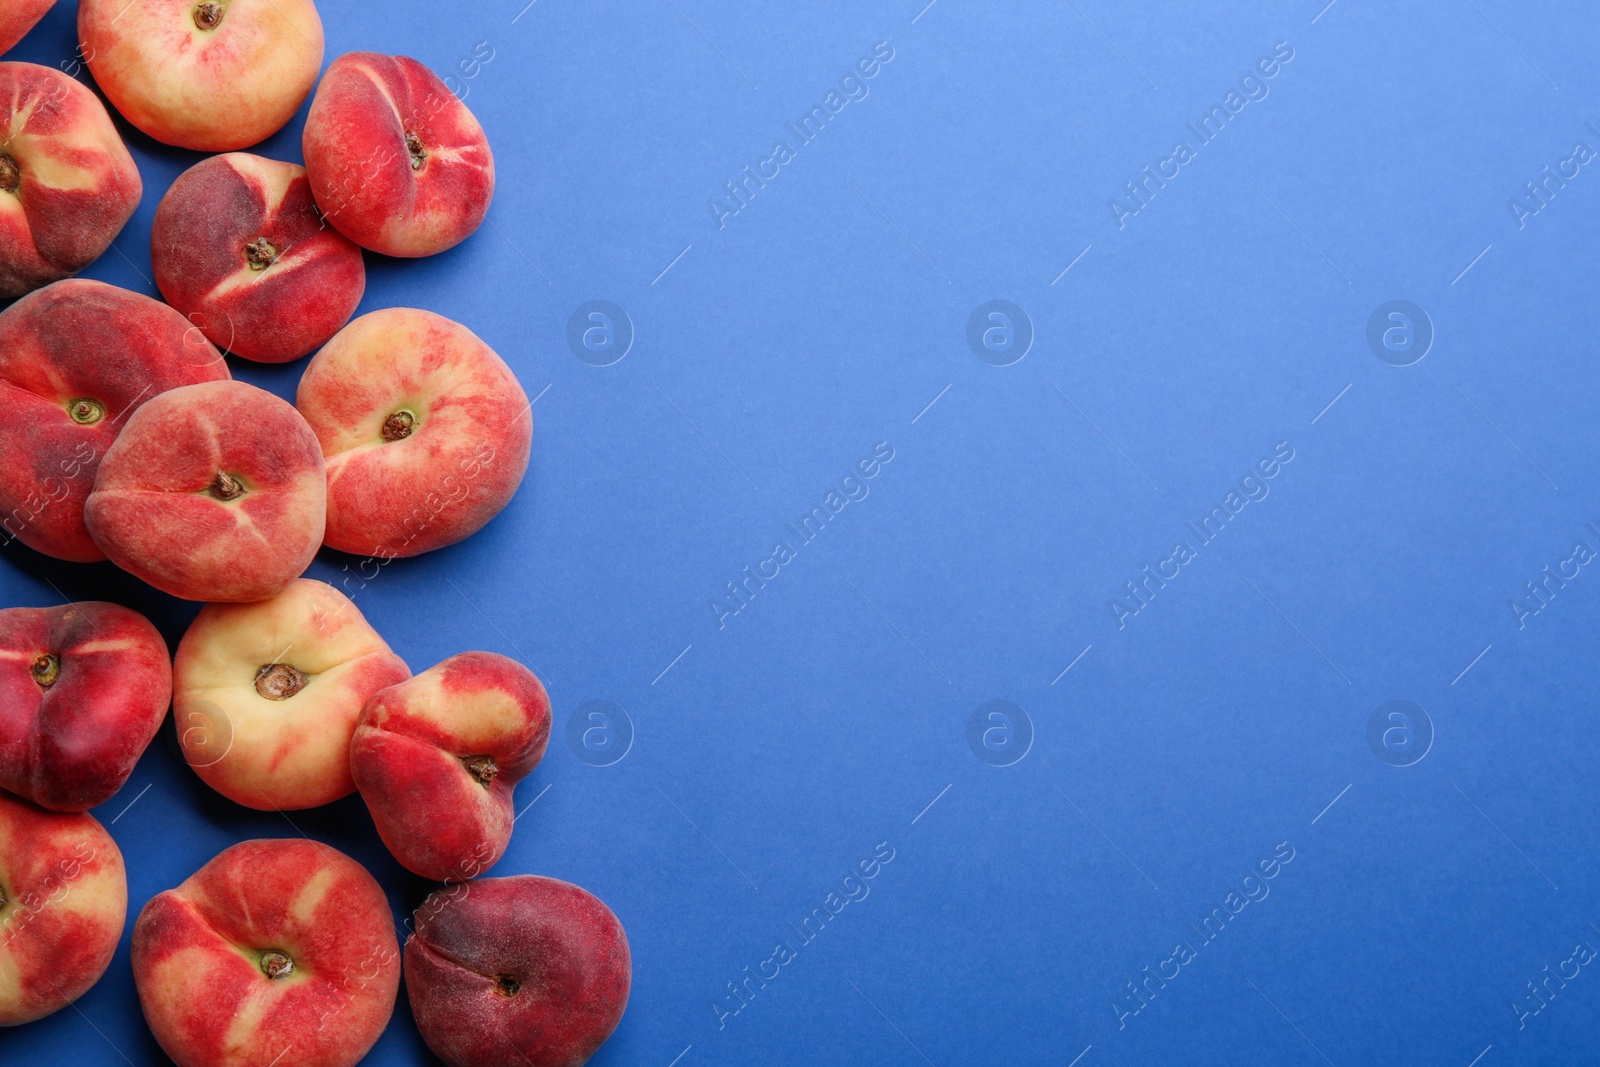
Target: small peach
83,689
76,359
212,76
238,248
63,901
436,759
67,182
272,946
266,696
398,164
212,492
425,429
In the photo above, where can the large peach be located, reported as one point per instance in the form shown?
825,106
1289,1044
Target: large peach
67,182
76,358
213,76
524,970
63,900
398,164
267,695
211,492
273,946
425,429
83,689
239,248
18,17
436,759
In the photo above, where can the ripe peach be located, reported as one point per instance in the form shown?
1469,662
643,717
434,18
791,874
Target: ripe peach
18,18
523,970
425,429
436,759
211,492
272,946
267,695
397,163
83,689
213,76
67,182
239,248
76,358
63,899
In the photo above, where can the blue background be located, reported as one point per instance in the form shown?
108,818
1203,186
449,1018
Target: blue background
1186,743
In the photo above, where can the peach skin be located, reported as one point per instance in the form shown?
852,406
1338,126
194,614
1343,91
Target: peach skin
211,492
83,689
63,901
397,163
266,696
18,18
239,249
212,76
67,182
425,429
436,759
76,359
523,970
272,946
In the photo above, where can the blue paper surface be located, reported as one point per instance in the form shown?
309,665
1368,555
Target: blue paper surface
1224,519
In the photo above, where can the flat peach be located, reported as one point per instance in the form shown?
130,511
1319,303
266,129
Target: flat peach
398,164
76,359
18,17
212,76
67,182
63,900
425,429
83,689
212,492
266,696
274,953
239,249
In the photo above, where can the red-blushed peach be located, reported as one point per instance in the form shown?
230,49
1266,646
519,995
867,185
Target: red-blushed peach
272,946
67,182
212,76
266,696
436,759
238,248
211,492
63,900
83,689
18,17
398,164
76,358
425,429
523,970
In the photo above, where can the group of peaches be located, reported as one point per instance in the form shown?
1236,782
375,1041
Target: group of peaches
126,438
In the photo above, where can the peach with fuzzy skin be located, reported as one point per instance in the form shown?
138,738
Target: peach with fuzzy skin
436,759
398,164
76,359
425,429
67,182
211,492
63,900
239,249
267,695
83,689
18,17
213,75
523,970
272,946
